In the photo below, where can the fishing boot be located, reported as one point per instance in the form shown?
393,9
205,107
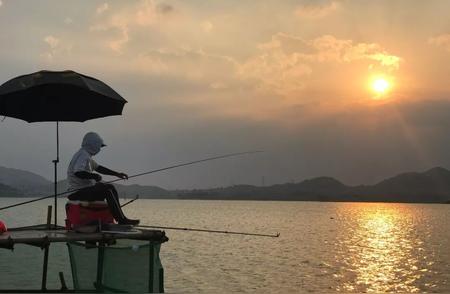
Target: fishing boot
117,212
127,221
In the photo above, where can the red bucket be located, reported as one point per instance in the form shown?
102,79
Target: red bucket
83,213
3,227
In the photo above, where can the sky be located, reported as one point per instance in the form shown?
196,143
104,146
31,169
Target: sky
204,78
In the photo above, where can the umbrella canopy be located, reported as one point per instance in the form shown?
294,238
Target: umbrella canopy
58,96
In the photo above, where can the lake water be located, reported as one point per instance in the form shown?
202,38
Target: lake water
323,247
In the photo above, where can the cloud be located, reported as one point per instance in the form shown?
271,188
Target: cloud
68,20
442,41
284,64
120,23
329,48
315,11
154,45
52,41
102,8
217,86
207,26
164,8
1,3
118,29
147,13
56,47
117,43
276,71
188,63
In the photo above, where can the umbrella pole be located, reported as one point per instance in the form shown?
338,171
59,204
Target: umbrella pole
56,171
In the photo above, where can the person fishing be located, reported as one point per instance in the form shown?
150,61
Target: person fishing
87,185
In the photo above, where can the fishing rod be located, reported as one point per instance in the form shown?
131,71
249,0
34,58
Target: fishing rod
131,201
187,163
210,231
133,176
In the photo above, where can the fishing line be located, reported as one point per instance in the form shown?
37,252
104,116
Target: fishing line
210,231
133,176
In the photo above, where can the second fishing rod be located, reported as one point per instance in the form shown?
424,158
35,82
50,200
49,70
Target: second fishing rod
134,176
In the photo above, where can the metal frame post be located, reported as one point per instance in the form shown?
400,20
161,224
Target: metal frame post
151,270
56,161
100,258
47,248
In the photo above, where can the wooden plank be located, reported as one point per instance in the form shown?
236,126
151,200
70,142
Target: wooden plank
41,236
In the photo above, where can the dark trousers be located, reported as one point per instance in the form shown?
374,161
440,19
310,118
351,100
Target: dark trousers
101,192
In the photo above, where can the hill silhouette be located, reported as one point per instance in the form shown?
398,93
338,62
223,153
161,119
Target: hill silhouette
26,183
7,191
129,191
431,186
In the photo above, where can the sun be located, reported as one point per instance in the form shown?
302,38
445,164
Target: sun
380,85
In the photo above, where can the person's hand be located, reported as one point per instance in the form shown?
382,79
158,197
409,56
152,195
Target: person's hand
123,176
97,177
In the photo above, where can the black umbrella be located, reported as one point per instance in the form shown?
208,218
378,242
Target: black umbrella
58,96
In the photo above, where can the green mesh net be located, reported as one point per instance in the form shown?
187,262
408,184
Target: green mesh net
127,266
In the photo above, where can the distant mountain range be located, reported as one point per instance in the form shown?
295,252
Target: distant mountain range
7,191
27,183
20,183
432,186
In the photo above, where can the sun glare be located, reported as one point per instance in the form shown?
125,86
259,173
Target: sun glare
380,85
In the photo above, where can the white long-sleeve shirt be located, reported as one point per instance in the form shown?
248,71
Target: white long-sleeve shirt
81,161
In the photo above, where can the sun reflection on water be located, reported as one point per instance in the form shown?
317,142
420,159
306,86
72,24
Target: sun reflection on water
379,253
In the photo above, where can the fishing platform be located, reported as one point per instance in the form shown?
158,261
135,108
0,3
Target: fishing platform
103,261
